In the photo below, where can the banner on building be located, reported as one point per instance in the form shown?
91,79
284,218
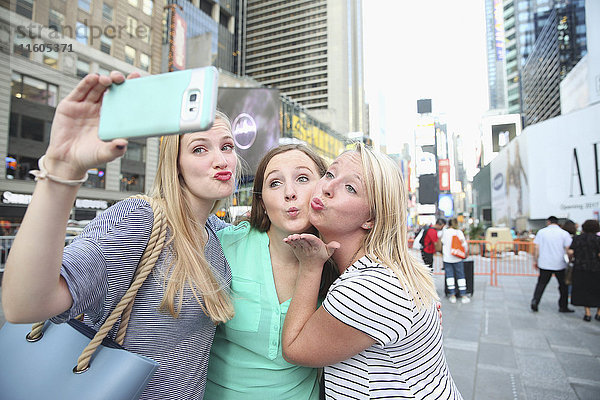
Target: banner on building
254,115
444,174
177,32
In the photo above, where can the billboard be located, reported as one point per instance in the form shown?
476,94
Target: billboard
446,204
427,189
502,134
254,115
177,32
425,131
444,174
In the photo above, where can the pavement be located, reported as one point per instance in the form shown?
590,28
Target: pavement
498,349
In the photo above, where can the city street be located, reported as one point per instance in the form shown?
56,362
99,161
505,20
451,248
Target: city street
498,349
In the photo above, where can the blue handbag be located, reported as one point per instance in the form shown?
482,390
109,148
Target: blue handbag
72,361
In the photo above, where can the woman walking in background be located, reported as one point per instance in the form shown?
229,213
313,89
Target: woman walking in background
585,251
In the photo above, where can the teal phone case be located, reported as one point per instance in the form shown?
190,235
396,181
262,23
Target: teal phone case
153,105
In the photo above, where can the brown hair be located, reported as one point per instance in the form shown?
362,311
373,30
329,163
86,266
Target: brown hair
258,217
590,226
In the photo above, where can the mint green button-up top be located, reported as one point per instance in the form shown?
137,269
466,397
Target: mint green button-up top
246,360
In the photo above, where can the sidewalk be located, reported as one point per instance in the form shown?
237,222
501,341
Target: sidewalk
498,349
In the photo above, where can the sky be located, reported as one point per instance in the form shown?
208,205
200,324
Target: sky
425,49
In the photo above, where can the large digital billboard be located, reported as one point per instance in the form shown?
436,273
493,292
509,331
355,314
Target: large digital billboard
254,115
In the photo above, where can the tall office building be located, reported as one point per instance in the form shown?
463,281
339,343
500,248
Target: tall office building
558,48
496,55
46,48
311,50
211,37
523,22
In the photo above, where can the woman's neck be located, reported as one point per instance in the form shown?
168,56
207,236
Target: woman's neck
351,249
280,251
200,209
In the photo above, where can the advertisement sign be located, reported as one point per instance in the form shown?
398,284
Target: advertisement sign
502,134
177,33
427,189
425,163
565,177
425,131
509,174
444,175
254,115
446,204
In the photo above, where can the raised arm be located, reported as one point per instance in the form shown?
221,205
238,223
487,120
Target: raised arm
32,288
315,338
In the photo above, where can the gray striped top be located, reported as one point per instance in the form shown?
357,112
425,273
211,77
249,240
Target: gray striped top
99,266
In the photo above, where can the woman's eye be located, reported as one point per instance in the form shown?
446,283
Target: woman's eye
350,189
303,179
228,147
199,150
274,184
329,175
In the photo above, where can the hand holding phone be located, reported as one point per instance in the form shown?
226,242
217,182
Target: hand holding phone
156,105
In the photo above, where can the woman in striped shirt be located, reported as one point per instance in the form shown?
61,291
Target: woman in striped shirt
176,309
377,332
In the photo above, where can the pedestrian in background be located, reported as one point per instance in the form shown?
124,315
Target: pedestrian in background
429,242
552,243
453,265
177,308
585,251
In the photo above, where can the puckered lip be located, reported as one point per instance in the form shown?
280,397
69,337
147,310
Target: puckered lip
223,175
317,204
292,209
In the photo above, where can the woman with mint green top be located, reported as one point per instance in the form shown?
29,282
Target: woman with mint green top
245,360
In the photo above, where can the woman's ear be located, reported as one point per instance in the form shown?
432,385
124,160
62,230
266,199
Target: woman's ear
368,225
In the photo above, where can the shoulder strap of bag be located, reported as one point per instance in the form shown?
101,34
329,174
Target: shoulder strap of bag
123,308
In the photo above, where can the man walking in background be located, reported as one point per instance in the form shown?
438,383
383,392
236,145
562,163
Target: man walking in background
431,237
552,243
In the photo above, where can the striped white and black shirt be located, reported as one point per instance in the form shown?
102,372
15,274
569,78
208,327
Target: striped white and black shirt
99,266
407,361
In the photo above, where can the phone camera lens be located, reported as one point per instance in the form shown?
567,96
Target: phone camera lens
193,97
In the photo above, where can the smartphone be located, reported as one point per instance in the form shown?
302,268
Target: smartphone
156,105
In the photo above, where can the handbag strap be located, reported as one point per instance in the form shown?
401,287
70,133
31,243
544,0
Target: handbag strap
125,305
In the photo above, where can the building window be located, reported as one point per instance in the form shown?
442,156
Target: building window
132,182
129,55
22,45
148,6
96,178
28,88
134,3
144,33
83,68
145,62
17,167
103,71
135,152
131,26
24,8
56,20
107,12
85,5
81,32
51,59
105,44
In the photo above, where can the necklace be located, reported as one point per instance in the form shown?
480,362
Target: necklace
352,258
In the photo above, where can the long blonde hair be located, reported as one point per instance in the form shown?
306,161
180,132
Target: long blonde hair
188,267
387,241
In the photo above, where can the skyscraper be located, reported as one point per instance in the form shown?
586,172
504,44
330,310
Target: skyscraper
523,22
311,50
496,54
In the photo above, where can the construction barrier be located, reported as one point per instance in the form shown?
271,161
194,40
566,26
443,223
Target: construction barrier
513,258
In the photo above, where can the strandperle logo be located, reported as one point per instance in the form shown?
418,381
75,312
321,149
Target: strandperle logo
83,30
